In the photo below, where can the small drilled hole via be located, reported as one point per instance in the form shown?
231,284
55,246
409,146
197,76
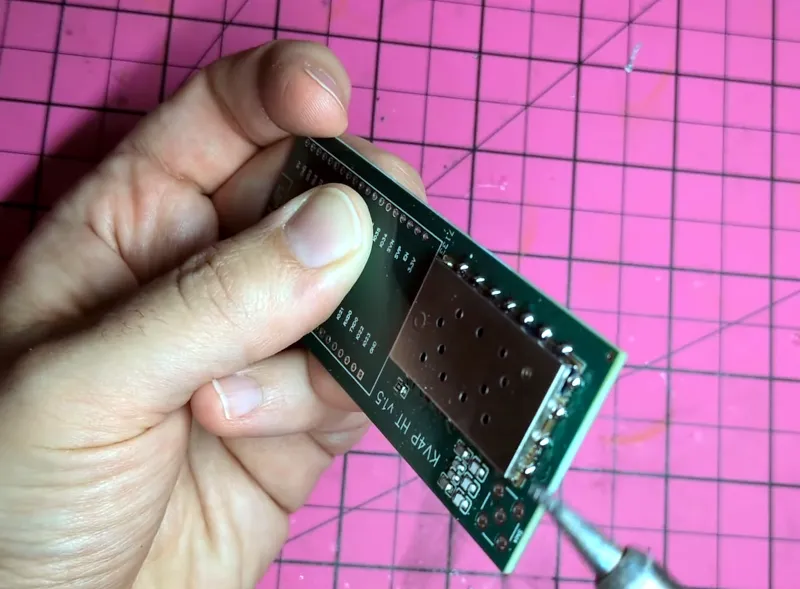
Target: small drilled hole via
484,389
423,356
440,322
485,419
441,349
502,352
443,376
479,332
462,396
459,313
504,381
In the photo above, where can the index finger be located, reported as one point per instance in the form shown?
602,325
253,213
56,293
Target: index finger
241,103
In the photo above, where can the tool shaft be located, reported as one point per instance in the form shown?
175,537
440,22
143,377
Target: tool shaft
601,555
614,567
636,570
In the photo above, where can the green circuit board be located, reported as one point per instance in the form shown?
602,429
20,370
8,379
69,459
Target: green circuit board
482,383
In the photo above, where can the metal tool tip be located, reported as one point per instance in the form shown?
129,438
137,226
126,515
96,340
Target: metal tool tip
600,553
536,492
542,497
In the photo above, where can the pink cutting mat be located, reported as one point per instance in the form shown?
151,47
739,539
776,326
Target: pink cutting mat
662,205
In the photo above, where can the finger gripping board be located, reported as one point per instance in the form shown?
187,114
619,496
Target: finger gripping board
482,383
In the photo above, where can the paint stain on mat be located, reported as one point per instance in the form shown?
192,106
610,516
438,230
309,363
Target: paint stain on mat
338,9
655,92
644,435
529,233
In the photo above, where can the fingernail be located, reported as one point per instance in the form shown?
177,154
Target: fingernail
325,229
327,81
239,395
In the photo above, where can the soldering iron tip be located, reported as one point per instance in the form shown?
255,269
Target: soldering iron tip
599,552
542,497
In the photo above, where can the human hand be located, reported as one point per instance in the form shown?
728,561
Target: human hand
152,292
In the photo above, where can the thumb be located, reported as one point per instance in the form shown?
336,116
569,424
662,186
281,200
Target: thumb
237,303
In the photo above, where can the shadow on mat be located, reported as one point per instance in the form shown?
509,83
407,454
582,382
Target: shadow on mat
78,137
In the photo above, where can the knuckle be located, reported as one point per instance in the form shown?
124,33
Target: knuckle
216,281
29,365
25,384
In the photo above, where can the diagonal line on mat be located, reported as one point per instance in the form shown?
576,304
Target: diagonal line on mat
633,371
323,523
532,102
225,26
711,334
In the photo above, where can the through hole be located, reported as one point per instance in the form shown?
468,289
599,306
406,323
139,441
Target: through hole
441,349
462,396
443,376
485,419
440,322
502,352
504,381
423,356
484,389
459,313
479,332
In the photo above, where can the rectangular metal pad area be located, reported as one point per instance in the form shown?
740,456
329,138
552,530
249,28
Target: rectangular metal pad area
478,366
